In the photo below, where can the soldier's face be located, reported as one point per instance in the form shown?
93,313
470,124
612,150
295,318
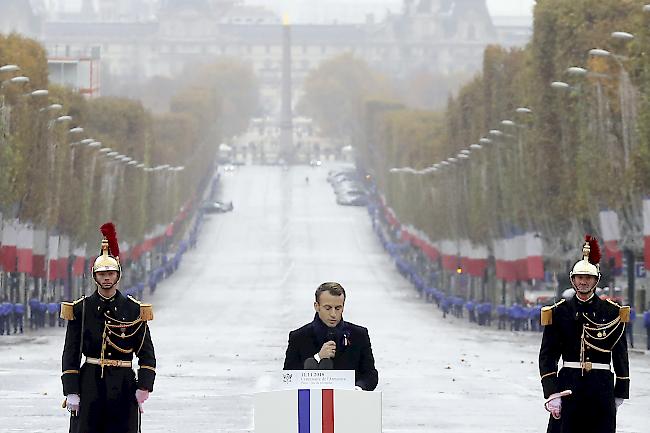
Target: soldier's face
330,308
584,283
106,279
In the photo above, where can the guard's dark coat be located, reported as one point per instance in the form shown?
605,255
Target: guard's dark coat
356,355
108,403
591,407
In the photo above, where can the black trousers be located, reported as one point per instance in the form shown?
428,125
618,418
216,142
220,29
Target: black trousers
108,404
18,323
629,330
591,407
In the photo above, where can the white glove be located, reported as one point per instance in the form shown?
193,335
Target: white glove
618,401
141,395
555,407
72,403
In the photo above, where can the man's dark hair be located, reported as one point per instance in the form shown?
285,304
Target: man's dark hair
334,289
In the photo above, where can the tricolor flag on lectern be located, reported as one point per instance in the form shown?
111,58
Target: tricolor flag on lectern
318,411
315,411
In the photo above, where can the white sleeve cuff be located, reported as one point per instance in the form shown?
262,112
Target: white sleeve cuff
317,358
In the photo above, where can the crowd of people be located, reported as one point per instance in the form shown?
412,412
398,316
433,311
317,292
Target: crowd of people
43,313
42,310
12,317
516,316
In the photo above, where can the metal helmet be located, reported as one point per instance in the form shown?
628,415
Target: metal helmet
109,257
589,264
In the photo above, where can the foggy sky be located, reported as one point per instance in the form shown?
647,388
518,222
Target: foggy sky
343,10
319,11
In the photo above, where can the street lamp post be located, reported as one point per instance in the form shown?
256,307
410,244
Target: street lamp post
523,116
627,95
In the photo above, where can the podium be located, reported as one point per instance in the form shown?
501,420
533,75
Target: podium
316,408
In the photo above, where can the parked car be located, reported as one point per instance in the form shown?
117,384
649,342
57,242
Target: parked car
216,207
347,199
348,187
339,176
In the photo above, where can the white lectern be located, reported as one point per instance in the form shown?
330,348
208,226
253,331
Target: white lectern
317,409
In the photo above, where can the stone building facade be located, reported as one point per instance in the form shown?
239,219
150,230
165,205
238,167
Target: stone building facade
140,39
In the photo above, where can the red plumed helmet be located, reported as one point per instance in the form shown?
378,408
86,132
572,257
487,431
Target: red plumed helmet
594,250
109,256
108,230
588,265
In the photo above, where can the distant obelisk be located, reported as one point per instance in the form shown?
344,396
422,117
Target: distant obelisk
286,121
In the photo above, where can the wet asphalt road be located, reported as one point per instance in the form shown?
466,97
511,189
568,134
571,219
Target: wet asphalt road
222,322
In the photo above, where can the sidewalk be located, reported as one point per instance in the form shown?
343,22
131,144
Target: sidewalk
32,336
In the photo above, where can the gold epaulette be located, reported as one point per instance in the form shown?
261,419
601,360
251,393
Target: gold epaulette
146,310
547,313
67,309
623,311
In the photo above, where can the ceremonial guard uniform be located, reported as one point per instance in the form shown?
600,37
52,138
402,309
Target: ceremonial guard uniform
588,333
108,331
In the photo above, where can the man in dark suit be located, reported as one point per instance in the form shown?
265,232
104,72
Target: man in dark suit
329,342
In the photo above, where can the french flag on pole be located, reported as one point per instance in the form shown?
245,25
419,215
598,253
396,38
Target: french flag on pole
39,253
9,242
25,247
611,232
646,232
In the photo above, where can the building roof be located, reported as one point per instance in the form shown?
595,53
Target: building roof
251,12
181,4
301,34
54,30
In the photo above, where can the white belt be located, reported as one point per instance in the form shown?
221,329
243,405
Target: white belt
108,362
586,365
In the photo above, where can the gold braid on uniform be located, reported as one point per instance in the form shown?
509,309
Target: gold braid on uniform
101,355
123,335
122,326
109,329
599,336
552,373
144,334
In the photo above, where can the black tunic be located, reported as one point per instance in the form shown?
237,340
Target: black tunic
112,328
353,351
585,332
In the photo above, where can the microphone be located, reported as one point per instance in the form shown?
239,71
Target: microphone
331,336
311,364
